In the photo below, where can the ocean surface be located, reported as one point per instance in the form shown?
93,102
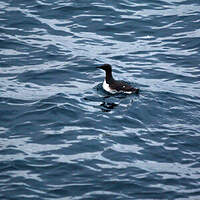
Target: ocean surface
63,137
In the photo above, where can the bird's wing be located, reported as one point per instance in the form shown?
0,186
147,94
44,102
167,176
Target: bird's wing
121,85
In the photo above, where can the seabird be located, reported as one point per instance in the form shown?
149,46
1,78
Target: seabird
114,86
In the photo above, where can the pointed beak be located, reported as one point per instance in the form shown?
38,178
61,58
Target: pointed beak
99,67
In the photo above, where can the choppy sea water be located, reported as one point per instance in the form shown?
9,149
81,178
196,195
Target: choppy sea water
63,137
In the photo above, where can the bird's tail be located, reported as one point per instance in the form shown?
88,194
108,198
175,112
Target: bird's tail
136,90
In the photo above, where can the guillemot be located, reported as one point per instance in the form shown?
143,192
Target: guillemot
114,86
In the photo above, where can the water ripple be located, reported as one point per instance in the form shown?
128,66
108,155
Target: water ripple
62,136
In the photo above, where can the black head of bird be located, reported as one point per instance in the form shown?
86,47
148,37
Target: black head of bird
105,67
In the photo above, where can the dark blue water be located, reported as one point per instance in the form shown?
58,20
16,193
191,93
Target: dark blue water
63,137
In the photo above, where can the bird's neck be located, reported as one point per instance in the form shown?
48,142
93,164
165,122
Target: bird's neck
109,77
